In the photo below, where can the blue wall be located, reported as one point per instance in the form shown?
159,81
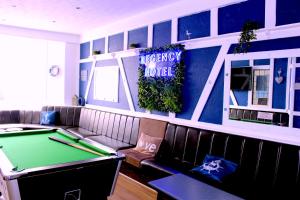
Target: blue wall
297,92
232,18
287,12
99,45
241,97
138,36
116,42
297,75
213,110
199,63
162,34
83,83
261,62
279,90
297,101
198,25
84,50
131,65
271,45
296,122
239,63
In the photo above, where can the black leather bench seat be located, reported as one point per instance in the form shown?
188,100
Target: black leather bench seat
110,142
80,132
163,167
267,170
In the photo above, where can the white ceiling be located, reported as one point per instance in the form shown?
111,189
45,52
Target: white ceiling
72,16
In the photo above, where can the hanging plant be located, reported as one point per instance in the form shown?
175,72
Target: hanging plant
247,35
161,92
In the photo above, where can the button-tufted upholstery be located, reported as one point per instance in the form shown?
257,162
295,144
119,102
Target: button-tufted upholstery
267,170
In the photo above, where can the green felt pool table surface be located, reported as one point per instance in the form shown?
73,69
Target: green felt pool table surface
30,149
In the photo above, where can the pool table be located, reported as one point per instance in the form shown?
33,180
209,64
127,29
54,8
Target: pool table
32,166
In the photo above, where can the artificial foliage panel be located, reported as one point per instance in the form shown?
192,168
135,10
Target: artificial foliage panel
161,74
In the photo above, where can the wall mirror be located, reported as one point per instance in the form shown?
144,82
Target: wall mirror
260,88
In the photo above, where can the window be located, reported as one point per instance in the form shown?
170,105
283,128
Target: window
22,78
260,91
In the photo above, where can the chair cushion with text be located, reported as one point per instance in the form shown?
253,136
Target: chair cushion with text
147,144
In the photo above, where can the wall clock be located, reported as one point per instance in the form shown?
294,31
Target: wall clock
54,70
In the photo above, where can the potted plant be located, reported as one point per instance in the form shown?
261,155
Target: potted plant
96,52
247,35
134,45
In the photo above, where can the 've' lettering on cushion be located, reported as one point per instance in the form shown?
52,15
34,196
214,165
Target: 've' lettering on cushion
148,144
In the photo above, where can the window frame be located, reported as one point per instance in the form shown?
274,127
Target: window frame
270,92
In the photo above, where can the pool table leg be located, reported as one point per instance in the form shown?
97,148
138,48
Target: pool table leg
9,189
116,177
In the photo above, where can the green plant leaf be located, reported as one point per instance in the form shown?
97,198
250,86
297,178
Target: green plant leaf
247,35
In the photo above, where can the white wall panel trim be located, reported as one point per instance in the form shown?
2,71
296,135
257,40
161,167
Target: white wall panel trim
90,79
125,83
210,82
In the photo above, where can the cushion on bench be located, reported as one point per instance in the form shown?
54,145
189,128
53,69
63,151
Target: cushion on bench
152,128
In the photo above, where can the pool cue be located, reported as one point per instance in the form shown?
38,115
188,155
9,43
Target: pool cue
75,145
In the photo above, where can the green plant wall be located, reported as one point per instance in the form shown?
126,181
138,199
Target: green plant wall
162,93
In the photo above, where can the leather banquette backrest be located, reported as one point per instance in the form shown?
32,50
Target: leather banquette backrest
265,168
119,127
68,115
9,116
